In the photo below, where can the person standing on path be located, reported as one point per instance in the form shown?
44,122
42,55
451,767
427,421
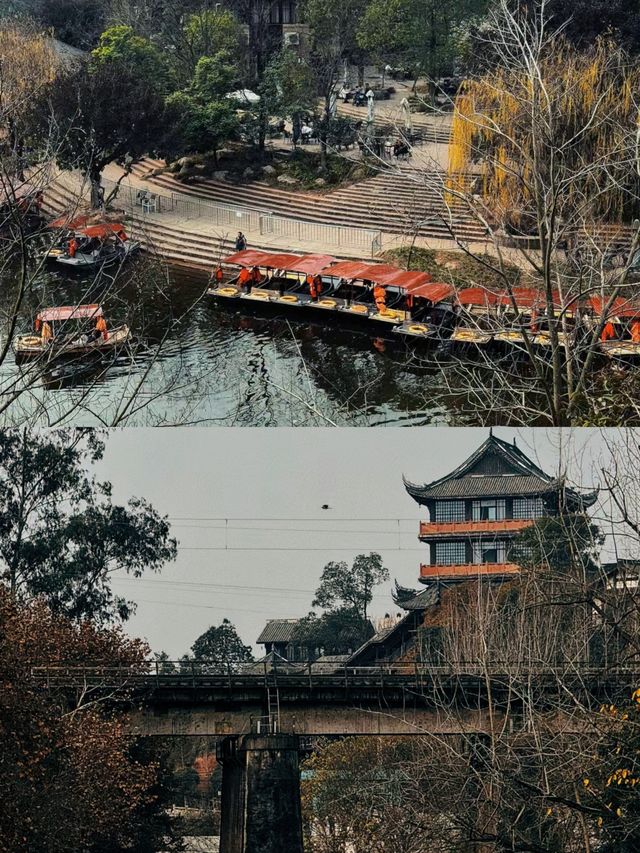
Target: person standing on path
241,242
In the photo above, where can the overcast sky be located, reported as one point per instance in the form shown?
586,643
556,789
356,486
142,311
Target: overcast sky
266,560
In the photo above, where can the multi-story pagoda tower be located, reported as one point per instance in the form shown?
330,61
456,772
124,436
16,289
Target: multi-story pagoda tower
479,508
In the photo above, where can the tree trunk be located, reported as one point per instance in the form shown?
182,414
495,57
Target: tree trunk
97,191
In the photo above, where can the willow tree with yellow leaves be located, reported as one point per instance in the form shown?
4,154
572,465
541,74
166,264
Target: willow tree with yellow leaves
544,154
28,63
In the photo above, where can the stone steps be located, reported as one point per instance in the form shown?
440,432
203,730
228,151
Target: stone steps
174,243
424,127
386,203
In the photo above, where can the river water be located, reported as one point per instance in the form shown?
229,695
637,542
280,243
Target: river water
197,363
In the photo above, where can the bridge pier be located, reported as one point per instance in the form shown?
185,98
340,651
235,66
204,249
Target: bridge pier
260,794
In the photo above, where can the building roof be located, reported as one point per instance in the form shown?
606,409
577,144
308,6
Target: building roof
497,468
278,631
378,638
410,599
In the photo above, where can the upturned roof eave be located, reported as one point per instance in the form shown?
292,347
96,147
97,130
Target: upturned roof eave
513,455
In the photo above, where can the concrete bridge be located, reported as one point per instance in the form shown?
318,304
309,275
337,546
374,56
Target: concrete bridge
260,718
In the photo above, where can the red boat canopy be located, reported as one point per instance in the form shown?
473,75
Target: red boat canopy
477,296
258,258
246,258
621,307
433,291
526,298
360,270
65,221
70,312
406,279
103,230
312,264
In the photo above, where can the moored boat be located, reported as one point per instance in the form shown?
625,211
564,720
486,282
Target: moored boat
70,331
89,247
376,295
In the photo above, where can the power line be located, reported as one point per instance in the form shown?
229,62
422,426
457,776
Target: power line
270,548
330,518
227,609
198,585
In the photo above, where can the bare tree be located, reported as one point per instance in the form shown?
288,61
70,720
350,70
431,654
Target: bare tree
544,157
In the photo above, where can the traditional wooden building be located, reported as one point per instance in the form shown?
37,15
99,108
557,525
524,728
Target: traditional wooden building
475,514
477,510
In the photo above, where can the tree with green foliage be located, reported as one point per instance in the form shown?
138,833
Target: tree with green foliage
207,32
221,643
333,25
201,117
351,587
345,593
417,34
287,90
122,46
109,109
336,632
61,535
568,544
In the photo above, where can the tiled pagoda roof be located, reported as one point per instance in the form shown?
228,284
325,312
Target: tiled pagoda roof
497,469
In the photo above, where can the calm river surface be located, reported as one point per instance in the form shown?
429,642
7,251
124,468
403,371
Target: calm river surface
209,365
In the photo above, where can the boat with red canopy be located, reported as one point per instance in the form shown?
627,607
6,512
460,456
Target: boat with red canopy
88,247
378,293
70,330
502,317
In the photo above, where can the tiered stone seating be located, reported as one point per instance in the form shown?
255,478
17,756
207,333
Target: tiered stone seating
394,202
175,243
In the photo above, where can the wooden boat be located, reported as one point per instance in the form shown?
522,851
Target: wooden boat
91,247
73,333
346,290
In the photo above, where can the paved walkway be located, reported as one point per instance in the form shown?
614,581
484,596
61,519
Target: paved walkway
195,242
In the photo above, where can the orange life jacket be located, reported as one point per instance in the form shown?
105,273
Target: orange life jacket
244,276
379,293
101,326
635,331
219,275
608,332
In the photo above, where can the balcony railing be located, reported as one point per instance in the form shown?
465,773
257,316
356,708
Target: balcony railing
464,528
468,570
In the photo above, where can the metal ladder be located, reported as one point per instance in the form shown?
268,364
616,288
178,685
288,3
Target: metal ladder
273,708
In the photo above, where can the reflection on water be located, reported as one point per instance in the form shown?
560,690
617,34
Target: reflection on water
195,362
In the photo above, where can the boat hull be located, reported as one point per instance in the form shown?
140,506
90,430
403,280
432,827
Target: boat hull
327,310
86,263
29,347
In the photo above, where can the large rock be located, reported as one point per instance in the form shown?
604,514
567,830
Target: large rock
320,182
269,170
220,175
287,179
248,174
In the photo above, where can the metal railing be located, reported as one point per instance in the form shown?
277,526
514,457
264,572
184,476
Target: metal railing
228,675
143,203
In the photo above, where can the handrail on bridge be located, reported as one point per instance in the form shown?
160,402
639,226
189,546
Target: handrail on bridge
270,673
